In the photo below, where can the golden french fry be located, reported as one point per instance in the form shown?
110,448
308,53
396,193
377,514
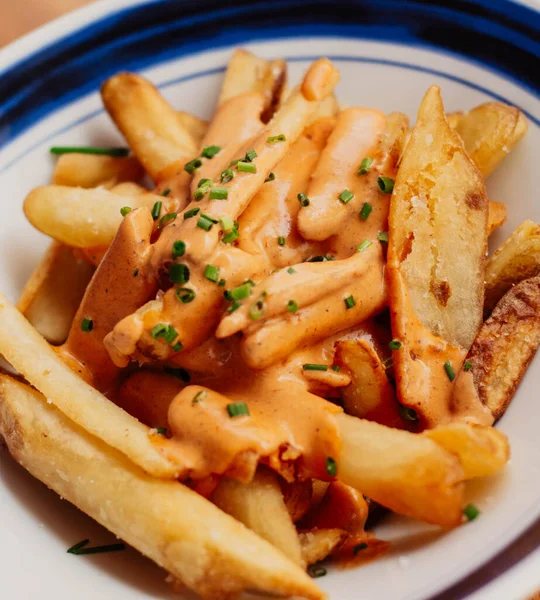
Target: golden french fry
128,188
196,127
88,171
318,544
150,125
517,258
182,532
505,347
406,472
259,505
54,291
496,216
481,450
78,217
31,355
489,132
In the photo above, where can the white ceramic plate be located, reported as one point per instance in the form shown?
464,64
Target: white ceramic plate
388,54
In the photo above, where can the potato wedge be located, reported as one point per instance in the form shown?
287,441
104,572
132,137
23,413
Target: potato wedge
196,127
489,132
297,496
438,240
505,346
32,357
259,505
78,217
496,215
217,556
517,258
88,171
318,544
54,291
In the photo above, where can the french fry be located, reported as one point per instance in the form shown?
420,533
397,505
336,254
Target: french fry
505,346
88,171
54,291
496,215
406,472
482,451
259,505
32,357
128,188
297,496
78,217
517,258
150,125
197,127
318,544
216,557
489,132
438,240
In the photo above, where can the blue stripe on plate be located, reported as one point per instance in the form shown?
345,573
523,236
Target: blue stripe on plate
501,35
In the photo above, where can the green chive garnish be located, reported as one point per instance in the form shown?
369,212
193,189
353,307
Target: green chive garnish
191,213
336,368
408,413
364,245
193,165
276,138
237,409
205,222
366,210
349,302
158,330
471,512
202,189
395,345
314,367
281,241
87,325
346,196
166,192
250,155
165,219
161,430
79,549
292,306
315,571
291,271
386,184
210,151
331,466
212,273
227,176
257,308
156,210
170,334
199,396
246,167
271,177
177,347
467,366
234,306
240,292
178,273
222,283
185,295
219,193
449,370
178,249
303,199
118,152
365,166
125,210
230,236
382,236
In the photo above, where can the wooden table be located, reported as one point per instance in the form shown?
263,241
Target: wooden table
21,16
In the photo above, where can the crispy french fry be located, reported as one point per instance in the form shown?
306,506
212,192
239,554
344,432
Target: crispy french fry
317,544
505,347
128,188
489,132
216,557
517,258
54,291
88,171
496,215
30,355
406,472
152,128
196,127
78,217
259,505
482,451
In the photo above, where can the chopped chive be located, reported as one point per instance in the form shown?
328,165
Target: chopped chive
291,271
281,241
210,151
118,152
471,512
203,188
227,224
240,292
177,347
170,334
185,295
359,547
303,199
250,155
382,236
179,273
178,249
212,273
292,306
230,236
386,184
366,211
271,177
250,282
315,571
234,162
408,413
329,257
222,282
467,366
179,373
395,345
193,165
449,370
349,302
158,330
156,210
87,325
364,246
315,259
165,219
161,430
237,409
257,308
276,138
314,367
234,306
79,548
191,213
227,176
336,368
166,192
331,466
246,167
346,196
205,222
199,396
125,210
219,193
365,166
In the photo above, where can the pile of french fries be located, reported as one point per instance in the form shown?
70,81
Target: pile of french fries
295,324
